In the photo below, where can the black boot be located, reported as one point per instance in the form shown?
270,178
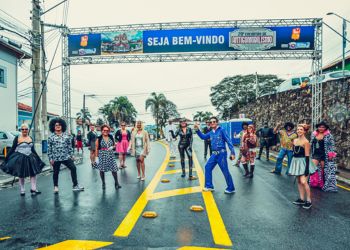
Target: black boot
183,168
245,166
116,182
190,173
251,175
102,175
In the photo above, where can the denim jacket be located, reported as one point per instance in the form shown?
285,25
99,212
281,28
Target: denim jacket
217,139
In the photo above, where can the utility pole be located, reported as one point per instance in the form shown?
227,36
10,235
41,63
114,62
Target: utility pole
36,68
83,118
44,86
257,85
344,46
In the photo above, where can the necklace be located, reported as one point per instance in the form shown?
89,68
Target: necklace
298,150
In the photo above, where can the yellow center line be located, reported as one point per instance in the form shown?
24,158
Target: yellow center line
176,171
5,238
175,192
77,245
131,218
218,229
199,248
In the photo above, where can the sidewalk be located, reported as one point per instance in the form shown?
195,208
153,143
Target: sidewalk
343,176
6,179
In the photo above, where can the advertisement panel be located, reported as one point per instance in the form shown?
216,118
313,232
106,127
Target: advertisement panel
84,45
193,40
121,42
229,39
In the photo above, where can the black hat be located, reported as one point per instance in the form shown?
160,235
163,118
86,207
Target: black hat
288,124
245,124
322,123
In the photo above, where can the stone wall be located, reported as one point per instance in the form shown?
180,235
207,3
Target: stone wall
295,106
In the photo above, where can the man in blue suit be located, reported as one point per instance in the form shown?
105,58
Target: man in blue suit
218,139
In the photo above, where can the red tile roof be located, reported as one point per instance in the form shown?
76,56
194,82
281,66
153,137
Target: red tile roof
27,108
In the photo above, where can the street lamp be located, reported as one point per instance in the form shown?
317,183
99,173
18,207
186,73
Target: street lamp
343,36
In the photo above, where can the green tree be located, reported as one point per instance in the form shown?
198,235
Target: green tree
162,109
119,109
202,116
99,122
84,116
235,91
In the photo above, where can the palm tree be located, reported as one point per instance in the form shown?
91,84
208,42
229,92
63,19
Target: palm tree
84,115
117,110
156,103
202,116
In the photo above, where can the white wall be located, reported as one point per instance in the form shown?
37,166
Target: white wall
8,94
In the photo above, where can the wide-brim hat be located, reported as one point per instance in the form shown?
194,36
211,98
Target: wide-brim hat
288,124
322,123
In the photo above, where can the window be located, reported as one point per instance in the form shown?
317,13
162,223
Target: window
296,81
3,136
3,75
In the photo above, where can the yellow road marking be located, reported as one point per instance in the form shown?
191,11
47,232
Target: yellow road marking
340,186
199,248
346,188
131,218
218,229
175,192
176,171
174,161
77,245
5,238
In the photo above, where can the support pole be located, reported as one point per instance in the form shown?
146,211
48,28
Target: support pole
36,67
44,86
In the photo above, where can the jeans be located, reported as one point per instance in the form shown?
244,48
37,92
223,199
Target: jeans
264,143
283,152
221,160
69,164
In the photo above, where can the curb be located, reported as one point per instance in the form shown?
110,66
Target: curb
5,182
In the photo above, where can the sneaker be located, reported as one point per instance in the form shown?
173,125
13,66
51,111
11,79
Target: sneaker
299,202
208,189
78,188
23,193
143,179
230,192
138,177
307,205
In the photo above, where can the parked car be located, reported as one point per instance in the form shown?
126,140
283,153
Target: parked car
292,83
6,141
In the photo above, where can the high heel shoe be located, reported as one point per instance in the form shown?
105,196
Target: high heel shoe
103,186
35,192
117,186
22,193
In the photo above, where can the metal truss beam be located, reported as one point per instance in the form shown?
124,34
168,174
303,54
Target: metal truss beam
187,57
199,24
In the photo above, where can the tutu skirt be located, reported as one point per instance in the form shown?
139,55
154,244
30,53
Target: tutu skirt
298,166
21,165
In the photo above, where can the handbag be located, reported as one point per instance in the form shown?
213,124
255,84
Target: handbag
316,180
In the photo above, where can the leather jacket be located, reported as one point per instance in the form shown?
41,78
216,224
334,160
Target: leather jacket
185,138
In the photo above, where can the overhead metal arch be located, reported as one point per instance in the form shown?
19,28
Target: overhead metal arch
315,55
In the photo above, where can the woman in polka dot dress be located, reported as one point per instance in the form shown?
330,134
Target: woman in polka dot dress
104,157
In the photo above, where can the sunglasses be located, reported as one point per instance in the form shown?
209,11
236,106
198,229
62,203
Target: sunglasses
105,130
57,125
24,129
123,125
213,122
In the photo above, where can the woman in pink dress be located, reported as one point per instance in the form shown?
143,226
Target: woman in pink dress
122,137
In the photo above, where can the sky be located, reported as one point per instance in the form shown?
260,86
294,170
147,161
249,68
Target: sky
187,84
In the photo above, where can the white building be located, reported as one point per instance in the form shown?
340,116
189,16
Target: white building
10,54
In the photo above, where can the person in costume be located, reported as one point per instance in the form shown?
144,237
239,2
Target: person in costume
23,161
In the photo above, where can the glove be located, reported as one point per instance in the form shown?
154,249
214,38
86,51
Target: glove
97,161
307,168
111,148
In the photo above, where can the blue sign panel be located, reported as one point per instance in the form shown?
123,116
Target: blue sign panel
84,45
229,39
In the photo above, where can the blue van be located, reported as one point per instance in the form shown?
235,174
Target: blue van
234,126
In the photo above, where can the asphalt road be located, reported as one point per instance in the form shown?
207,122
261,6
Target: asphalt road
259,215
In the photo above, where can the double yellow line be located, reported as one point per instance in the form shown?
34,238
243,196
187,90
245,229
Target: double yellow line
218,229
